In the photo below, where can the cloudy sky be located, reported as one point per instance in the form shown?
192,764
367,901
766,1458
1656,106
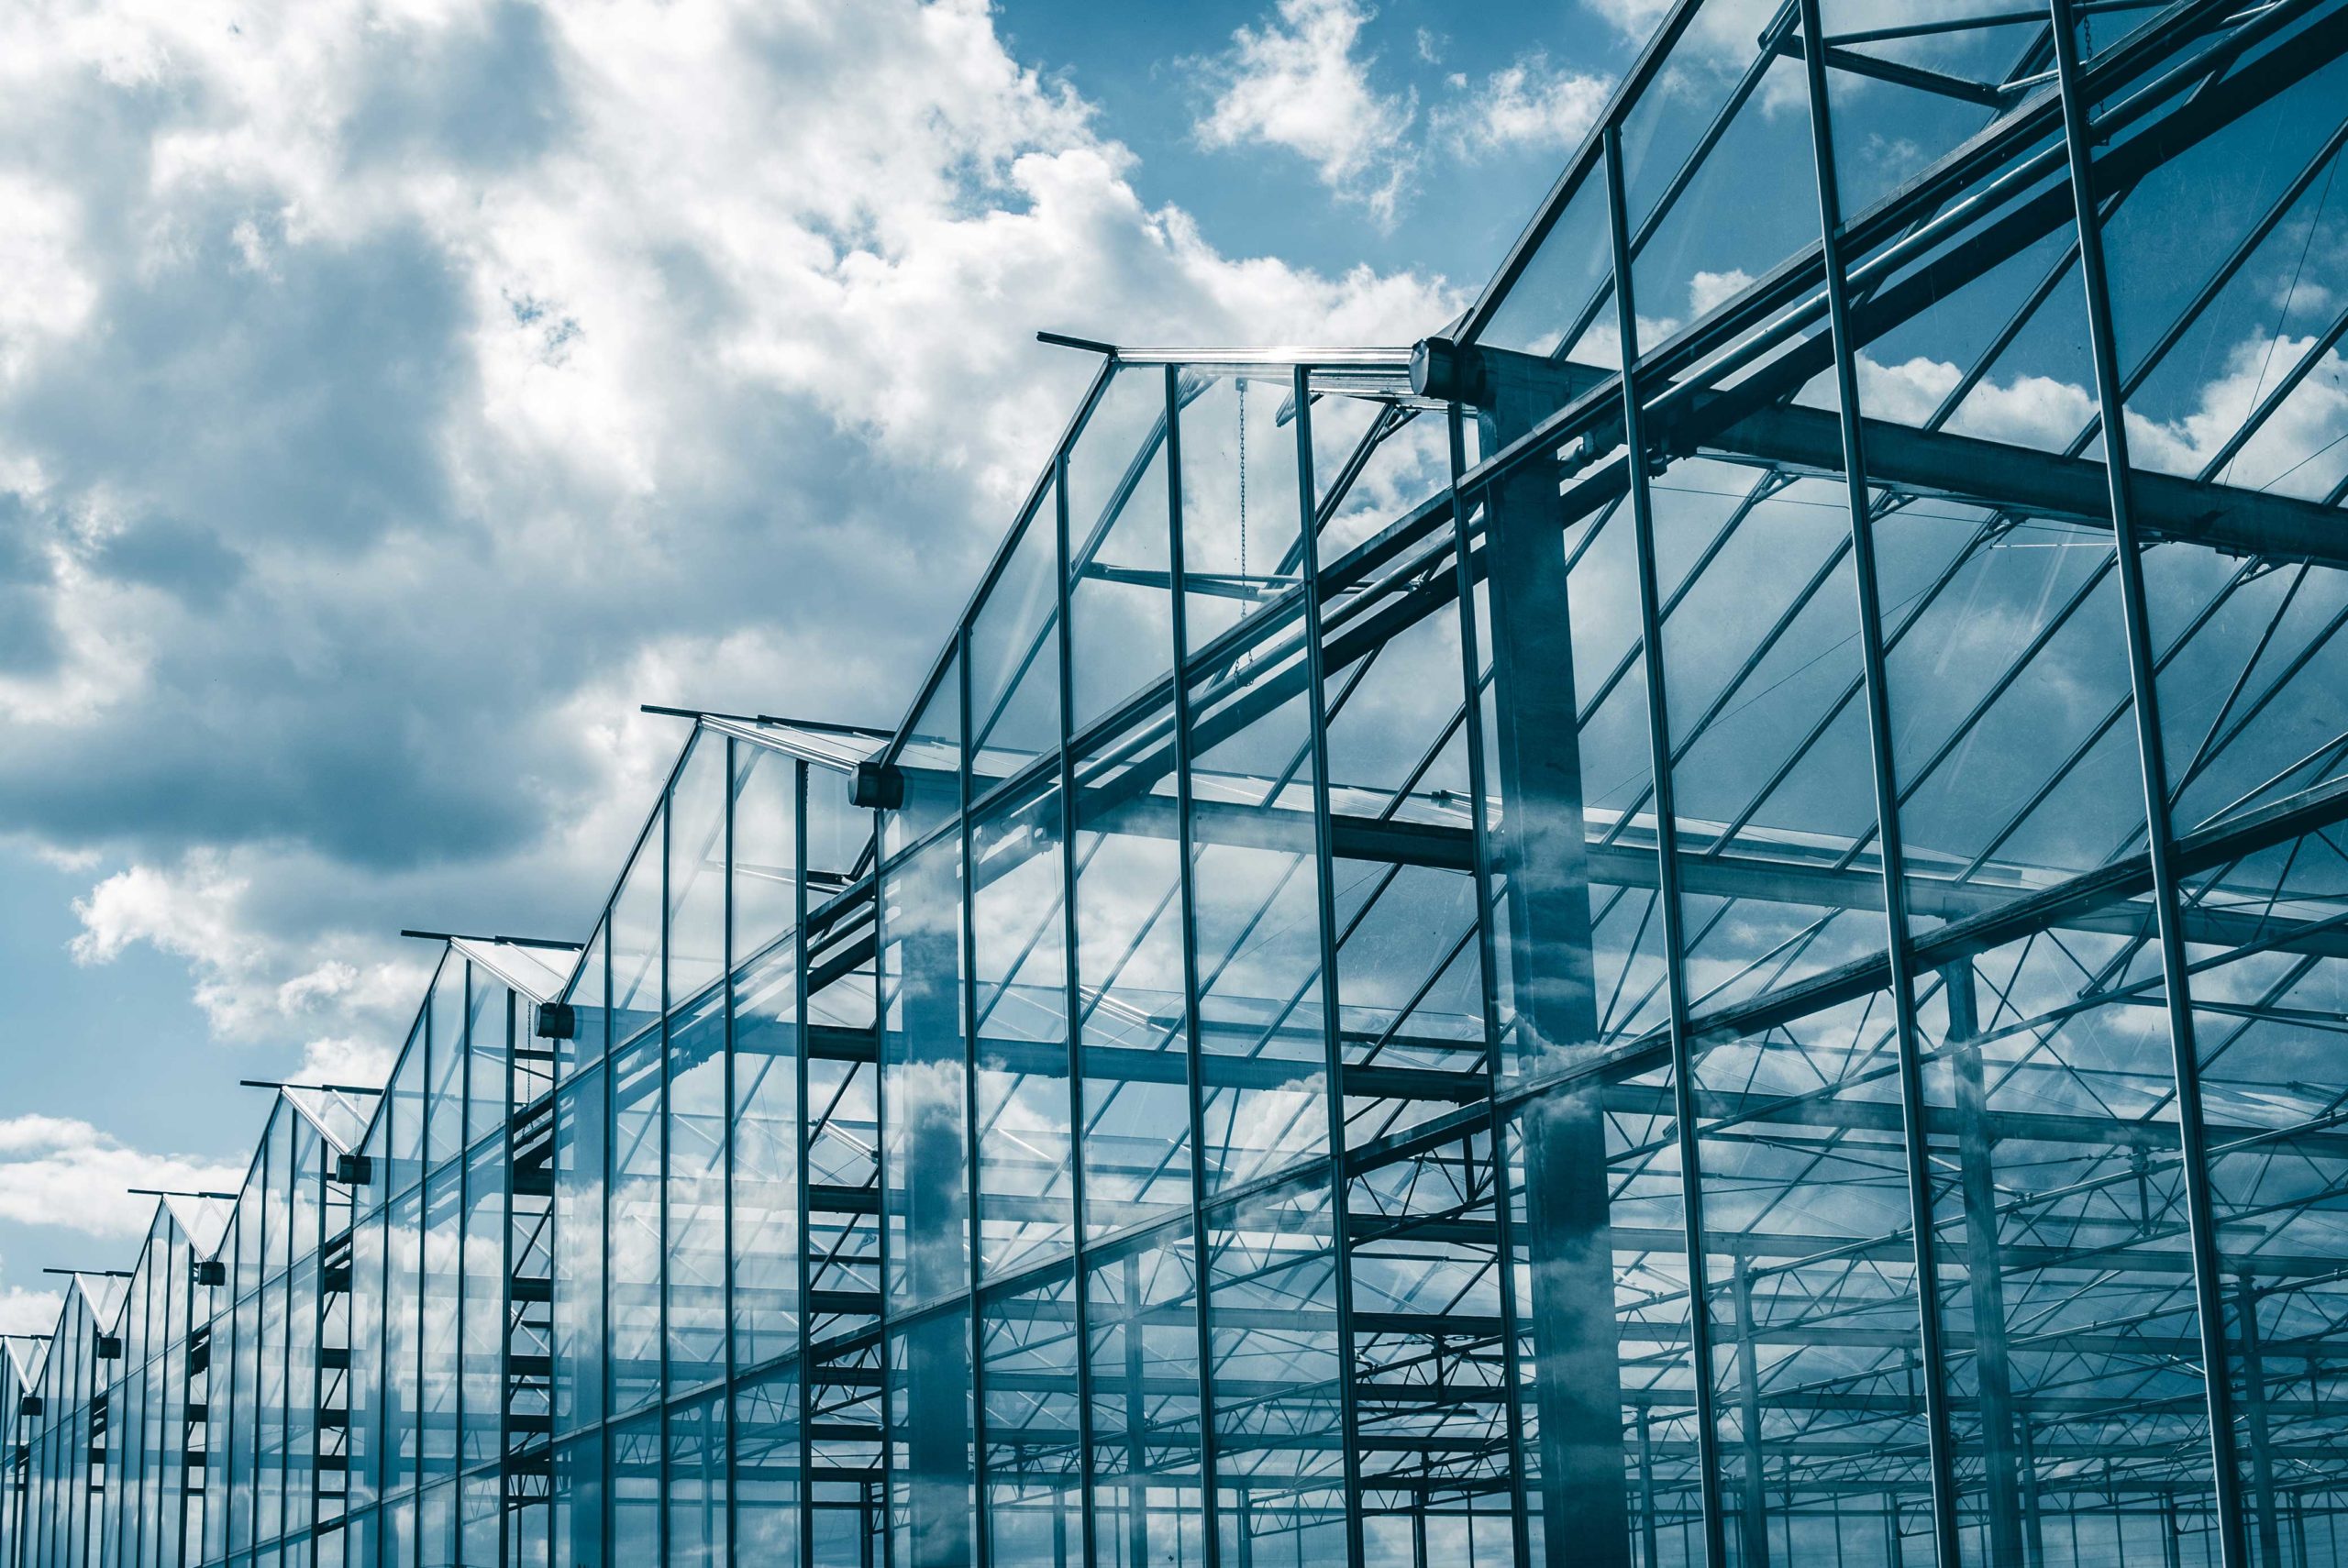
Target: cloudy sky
395,394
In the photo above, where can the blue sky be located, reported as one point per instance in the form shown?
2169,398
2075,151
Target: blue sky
392,395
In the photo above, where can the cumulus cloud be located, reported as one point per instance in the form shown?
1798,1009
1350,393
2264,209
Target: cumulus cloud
391,400
2292,453
1529,105
62,1172
1708,290
1297,82
23,1311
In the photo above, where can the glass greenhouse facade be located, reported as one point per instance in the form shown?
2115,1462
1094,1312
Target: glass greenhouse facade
1701,921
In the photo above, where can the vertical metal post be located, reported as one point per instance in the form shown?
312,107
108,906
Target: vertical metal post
1488,973
1753,1550
661,1286
803,1442
1210,1531
725,1163
1914,1134
974,1451
2200,1217
2268,1524
2033,1523
1683,1070
1072,1010
1648,1555
1984,1269
1348,1418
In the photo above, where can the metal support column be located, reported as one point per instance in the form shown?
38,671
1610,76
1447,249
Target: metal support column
1915,1146
2160,845
1323,875
2255,1423
1752,1542
1984,1268
1683,1073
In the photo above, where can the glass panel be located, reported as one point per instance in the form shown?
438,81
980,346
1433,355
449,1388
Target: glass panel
1276,1360
636,1492
1427,1342
925,1148
1142,1311
1015,654
402,1302
1564,290
1409,973
587,995
1136,1126
1121,624
930,1451
405,1116
1034,1499
766,1161
2227,283
443,1234
485,1041
694,1262
636,939
766,847
484,1316
579,1153
1903,102
766,1469
579,1534
444,1108
1718,180
633,1255
696,1485
697,869
931,759
1240,540
1256,914
1018,937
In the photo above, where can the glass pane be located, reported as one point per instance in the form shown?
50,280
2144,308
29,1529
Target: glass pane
1240,540
580,1130
1019,940
766,847
1014,652
1256,915
926,1145
1137,1115
1034,1498
1276,1359
931,1449
693,1260
767,1493
766,1161
1142,1308
1121,622
696,947
636,939
633,1249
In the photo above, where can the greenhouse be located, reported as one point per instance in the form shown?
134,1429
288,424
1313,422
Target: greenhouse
1701,920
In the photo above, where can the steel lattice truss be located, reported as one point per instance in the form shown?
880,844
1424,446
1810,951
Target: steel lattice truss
1468,954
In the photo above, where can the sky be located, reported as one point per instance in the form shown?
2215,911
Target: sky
394,395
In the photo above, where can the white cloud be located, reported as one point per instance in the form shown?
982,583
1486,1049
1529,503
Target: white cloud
2292,453
1528,105
25,1311
1708,290
420,389
62,1172
1296,82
